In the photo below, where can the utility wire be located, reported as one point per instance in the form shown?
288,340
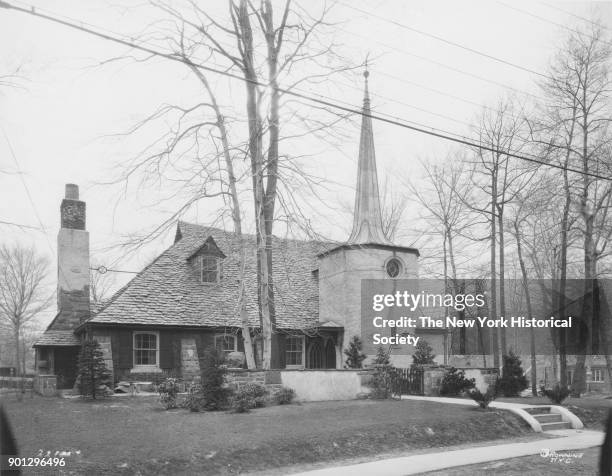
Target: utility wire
546,20
27,190
439,64
324,102
19,225
382,73
594,23
444,40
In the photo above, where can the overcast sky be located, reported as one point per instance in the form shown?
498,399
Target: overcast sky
62,119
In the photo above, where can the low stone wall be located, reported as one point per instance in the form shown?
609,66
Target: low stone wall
484,377
320,385
239,377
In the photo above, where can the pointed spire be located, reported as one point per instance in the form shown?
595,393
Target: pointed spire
367,217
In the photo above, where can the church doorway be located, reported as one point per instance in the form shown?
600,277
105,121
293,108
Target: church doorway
321,353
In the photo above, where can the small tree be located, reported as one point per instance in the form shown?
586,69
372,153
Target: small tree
354,355
382,356
513,379
383,380
92,369
214,393
423,354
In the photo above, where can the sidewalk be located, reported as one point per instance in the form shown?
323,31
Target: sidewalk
568,440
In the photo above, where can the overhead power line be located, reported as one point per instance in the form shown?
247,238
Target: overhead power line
594,23
560,25
448,42
19,225
317,100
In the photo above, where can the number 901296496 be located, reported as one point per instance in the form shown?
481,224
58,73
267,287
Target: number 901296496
16,462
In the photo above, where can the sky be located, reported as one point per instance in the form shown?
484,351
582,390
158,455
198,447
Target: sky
66,119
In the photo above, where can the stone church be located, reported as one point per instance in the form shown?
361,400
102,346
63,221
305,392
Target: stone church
185,301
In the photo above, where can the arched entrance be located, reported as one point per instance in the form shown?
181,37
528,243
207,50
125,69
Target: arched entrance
321,353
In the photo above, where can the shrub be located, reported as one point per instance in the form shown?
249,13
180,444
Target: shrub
284,396
556,394
168,391
194,401
455,382
423,354
92,371
242,403
513,380
215,395
383,379
354,355
483,399
252,395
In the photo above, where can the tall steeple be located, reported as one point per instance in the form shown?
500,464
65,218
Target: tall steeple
367,217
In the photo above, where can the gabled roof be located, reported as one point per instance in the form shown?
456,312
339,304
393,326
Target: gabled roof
168,292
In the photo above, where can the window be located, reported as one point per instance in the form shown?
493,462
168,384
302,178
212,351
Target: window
294,352
598,375
393,268
209,269
226,343
146,349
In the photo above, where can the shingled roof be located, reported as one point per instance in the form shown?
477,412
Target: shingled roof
168,292
57,338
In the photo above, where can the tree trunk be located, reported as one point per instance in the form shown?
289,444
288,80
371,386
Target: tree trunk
497,354
264,278
17,356
534,383
502,289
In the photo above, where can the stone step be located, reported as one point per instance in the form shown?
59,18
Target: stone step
560,425
537,410
547,417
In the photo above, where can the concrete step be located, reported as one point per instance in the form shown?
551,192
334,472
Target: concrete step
547,417
560,425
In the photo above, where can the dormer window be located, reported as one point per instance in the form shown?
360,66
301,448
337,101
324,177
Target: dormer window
209,269
206,262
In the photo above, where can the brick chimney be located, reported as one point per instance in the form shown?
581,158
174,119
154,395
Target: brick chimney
72,262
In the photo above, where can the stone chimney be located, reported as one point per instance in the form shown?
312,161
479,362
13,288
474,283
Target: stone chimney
72,262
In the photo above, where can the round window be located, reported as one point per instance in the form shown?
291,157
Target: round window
394,268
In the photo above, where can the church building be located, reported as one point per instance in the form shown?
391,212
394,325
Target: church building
186,300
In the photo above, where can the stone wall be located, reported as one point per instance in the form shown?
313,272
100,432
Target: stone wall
239,378
190,364
107,352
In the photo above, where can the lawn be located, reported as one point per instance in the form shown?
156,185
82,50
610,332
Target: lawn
133,435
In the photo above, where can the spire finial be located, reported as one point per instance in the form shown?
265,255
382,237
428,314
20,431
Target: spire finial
366,96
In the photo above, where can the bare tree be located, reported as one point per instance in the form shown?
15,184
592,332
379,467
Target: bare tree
443,196
226,157
579,112
499,178
22,291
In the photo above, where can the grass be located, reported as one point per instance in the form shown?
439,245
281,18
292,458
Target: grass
127,435
587,465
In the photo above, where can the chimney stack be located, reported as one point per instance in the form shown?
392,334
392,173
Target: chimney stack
72,262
